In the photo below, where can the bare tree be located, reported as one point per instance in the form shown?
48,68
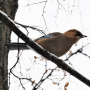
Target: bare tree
47,73
10,8
60,63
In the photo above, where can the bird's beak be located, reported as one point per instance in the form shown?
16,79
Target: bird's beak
83,36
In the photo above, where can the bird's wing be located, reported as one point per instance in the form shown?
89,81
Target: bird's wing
48,36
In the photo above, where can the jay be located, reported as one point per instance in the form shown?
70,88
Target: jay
60,43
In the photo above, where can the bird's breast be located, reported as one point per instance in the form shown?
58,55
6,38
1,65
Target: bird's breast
56,46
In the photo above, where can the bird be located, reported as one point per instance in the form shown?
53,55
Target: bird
60,43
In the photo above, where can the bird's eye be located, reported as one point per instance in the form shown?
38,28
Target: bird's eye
78,33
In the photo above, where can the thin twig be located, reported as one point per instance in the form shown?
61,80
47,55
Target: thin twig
32,27
78,51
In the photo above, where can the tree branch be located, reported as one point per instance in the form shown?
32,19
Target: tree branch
60,63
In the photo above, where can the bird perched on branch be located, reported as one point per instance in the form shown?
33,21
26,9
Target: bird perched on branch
59,43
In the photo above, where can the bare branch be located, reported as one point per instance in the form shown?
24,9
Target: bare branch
43,79
78,51
22,84
37,3
32,27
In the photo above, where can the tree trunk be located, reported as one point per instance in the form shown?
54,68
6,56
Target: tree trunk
10,8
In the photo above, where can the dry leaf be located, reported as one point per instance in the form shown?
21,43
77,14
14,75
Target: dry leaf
65,88
33,82
46,71
54,82
35,57
66,85
70,53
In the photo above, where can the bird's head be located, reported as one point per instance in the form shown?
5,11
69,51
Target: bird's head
74,34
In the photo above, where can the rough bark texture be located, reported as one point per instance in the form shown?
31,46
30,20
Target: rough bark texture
10,8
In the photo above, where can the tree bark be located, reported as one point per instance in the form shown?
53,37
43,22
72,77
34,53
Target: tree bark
10,8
